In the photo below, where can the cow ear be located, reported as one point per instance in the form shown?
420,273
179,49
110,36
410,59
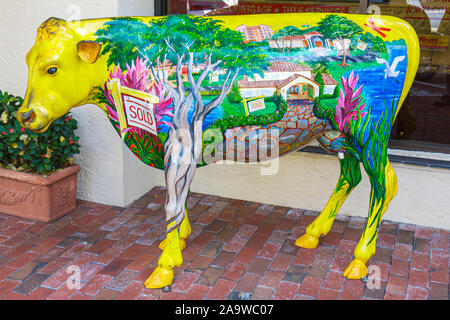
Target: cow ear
88,50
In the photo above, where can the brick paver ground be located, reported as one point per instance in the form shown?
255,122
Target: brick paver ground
237,250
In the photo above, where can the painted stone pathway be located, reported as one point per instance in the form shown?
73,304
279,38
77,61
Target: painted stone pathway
298,127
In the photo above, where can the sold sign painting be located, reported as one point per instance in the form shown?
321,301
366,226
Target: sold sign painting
256,105
136,105
140,113
253,104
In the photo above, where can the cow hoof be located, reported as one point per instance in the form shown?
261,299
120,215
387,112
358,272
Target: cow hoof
355,270
160,278
307,241
162,244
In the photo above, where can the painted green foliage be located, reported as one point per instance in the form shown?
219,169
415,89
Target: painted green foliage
121,37
198,36
335,27
373,136
235,95
378,44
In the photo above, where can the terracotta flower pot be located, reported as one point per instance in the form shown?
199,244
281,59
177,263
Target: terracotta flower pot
36,197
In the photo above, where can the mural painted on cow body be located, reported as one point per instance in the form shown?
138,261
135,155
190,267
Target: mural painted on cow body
186,91
294,81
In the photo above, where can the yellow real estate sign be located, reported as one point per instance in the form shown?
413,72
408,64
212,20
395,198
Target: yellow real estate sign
134,107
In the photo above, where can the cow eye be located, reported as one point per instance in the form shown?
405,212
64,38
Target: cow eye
52,70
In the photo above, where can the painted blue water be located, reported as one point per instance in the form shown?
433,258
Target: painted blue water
209,119
379,90
212,117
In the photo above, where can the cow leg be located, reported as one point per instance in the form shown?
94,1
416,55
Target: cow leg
349,177
179,172
171,256
185,231
384,188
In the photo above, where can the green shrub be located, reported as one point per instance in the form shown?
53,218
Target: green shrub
38,153
324,108
235,95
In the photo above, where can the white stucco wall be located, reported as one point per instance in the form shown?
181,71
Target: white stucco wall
135,8
111,174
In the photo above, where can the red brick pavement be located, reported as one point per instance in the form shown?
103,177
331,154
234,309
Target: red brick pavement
237,250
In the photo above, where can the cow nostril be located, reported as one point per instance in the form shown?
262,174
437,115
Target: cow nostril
28,117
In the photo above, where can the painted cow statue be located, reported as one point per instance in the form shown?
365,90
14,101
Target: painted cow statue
186,91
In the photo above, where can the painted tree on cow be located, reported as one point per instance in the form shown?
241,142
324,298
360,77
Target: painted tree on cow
193,42
195,47
339,28
344,31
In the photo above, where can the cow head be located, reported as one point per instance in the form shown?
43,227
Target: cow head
61,74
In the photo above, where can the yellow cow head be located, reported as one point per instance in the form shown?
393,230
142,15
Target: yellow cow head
63,70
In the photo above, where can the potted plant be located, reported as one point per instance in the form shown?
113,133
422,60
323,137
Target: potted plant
38,178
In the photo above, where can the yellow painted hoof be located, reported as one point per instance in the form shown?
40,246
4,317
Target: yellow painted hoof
307,241
355,270
160,278
162,244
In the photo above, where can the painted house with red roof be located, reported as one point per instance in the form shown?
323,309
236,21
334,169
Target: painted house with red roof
290,80
280,70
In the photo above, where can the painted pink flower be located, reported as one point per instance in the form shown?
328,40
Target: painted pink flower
11,130
348,102
138,75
